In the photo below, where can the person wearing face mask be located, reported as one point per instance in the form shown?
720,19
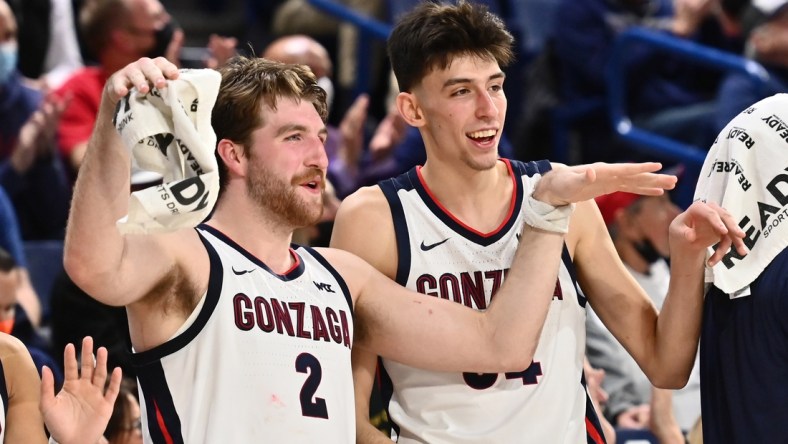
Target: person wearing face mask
116,33
638,226
30,171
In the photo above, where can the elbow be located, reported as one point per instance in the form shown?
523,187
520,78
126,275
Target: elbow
74,266
80,271
514,359
670,381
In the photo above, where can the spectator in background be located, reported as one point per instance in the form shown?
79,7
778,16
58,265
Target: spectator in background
118,32
11,241
639,227
30,171
14,320
764,26
125,426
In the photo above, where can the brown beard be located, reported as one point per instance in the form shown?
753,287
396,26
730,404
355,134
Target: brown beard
281,199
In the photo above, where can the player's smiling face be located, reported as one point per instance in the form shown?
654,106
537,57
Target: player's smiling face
288,162
463,108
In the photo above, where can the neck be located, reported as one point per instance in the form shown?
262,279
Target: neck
261,234
480,199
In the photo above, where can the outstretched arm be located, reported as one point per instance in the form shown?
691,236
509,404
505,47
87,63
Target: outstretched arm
80,412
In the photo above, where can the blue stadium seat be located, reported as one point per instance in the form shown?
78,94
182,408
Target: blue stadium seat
44,263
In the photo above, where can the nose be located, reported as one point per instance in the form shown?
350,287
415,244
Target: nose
317,158
486,106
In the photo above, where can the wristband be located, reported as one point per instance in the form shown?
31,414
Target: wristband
547,217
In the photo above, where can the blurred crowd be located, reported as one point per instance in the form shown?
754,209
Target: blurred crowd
55,56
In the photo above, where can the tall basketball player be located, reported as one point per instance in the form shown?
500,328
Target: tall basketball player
240,336
450,229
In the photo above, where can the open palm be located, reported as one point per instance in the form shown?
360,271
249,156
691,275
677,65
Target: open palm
569,184
81,411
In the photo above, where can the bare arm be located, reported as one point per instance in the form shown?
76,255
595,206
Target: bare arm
461,339
664,346
364,371
114,269
23,420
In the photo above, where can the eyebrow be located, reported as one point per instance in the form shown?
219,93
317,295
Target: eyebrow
459,80
298,127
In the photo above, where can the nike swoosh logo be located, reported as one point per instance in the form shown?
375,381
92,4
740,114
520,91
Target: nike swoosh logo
431,246
242,272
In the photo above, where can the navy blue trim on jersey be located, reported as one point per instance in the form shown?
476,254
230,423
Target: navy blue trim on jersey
159,405
389,188
570,266
594,433
335,273
215,279
289,276
386,392
3,391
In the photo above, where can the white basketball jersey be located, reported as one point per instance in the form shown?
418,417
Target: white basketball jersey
439,256
264,358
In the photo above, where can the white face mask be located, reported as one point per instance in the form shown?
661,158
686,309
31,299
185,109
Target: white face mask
8,57
328,86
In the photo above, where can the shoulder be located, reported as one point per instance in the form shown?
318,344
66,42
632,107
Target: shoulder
353,269
11,347
17,363
367,205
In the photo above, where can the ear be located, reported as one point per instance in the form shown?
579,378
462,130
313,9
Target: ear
408,107
233,157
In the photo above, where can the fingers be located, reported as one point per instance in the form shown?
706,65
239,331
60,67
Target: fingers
87,358
100,372
114,385
70,363
720,251
141,74
47,388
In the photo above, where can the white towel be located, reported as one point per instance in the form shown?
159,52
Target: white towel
746,172
168,131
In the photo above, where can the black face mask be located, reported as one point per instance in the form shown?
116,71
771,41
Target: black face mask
647,251
163,38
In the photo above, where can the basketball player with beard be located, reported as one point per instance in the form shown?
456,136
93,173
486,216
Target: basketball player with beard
240,336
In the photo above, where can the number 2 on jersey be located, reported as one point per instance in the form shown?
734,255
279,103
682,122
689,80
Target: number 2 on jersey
306,363
481,381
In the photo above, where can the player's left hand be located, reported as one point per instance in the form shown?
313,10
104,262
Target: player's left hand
703,225
568,184
81,411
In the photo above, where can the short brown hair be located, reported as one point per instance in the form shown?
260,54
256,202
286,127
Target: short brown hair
248,83
432,34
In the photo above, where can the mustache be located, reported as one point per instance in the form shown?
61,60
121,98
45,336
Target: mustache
309,174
